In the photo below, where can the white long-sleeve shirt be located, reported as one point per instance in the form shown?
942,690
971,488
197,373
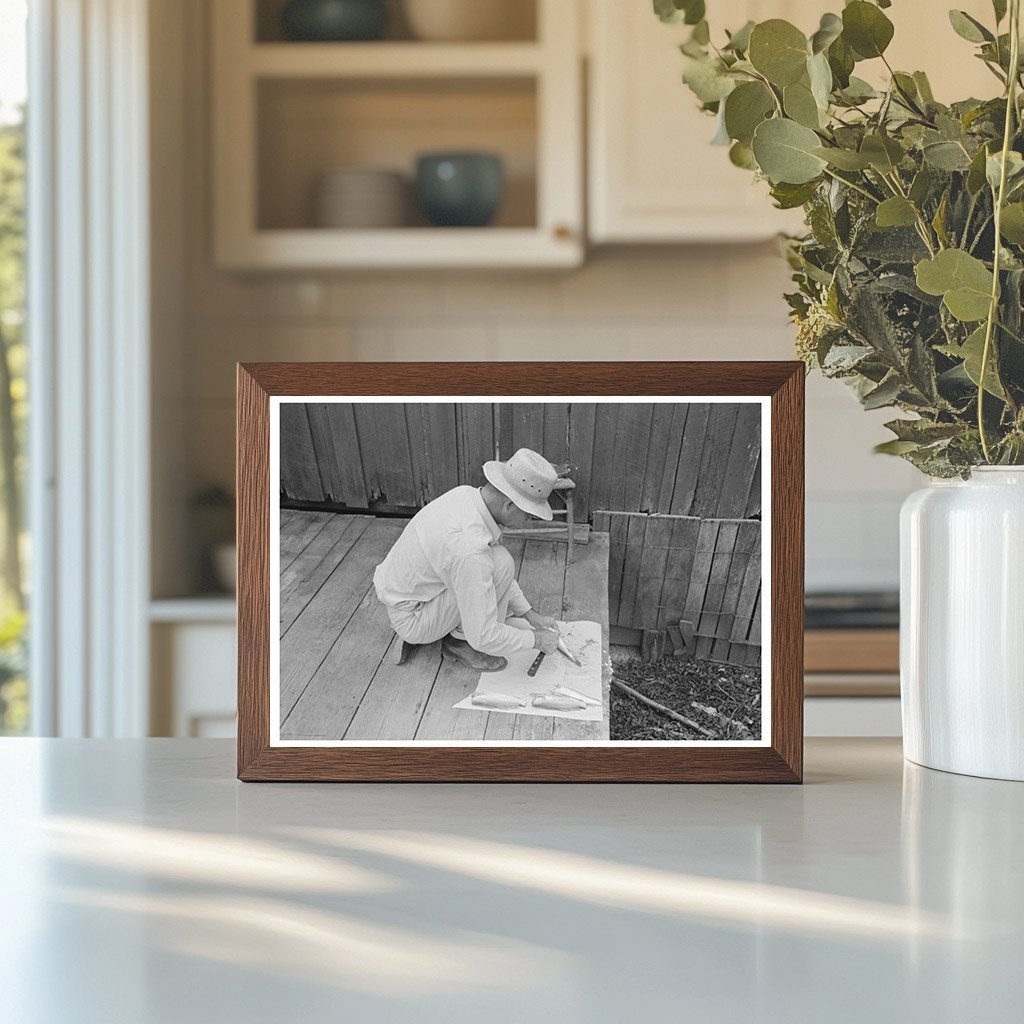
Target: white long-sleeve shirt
445,547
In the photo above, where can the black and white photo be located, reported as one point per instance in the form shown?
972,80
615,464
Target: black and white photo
503,571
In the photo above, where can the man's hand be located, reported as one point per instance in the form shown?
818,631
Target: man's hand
538,621
545,640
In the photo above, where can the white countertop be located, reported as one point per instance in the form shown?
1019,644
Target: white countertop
142,884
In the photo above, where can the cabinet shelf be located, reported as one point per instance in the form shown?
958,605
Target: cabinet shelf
311,248
287,113
392,60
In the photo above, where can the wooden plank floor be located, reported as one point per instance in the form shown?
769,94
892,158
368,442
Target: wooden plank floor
338,676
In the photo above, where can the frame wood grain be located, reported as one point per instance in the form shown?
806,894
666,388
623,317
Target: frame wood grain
782,761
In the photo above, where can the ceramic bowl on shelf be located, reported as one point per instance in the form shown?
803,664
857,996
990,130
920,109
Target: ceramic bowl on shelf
471,20
460,189
361,198
334,21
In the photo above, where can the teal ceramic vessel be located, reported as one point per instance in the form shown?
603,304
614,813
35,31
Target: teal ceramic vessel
334,21
461,190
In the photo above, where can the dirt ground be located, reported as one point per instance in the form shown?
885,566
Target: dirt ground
725,700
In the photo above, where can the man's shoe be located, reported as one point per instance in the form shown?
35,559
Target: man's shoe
461,651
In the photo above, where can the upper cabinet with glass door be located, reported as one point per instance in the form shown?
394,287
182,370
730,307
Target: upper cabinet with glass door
379,133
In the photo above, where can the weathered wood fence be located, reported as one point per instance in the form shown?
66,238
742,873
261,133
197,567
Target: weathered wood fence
664,570
690,459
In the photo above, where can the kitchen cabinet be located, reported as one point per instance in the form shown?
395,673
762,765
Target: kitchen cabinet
286,113
192,647
653,175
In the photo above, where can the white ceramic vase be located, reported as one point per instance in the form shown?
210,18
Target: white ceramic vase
962,624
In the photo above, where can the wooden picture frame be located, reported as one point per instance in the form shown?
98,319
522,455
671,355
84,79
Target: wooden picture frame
780,388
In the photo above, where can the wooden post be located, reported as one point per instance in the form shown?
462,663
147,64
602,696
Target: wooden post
571,522
652,645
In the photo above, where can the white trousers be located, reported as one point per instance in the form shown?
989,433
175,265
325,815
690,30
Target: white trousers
423,622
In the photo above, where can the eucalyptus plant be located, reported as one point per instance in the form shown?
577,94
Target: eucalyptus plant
909,280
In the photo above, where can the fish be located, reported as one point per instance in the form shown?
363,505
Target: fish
555,702
497,700
563,649
568,691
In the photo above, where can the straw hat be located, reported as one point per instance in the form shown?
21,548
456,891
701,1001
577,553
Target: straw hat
527,478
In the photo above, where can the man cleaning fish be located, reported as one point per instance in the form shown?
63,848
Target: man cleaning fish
449,578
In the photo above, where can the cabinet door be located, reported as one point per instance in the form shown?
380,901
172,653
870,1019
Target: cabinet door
654,176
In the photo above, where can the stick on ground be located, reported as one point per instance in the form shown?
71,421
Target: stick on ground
689,723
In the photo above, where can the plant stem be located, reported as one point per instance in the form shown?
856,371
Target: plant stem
993,309
855,187
922,225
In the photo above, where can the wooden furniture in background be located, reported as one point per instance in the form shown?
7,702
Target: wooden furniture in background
285,112
852,662
851,650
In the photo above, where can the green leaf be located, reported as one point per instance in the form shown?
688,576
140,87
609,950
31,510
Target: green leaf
1012,224
924,88
721,137
676,12
939,220
976,174
896,212
800,105
885,394
841,60
739,41
844,159
968,28
921,185
946,156
858,91
883,153
923,431
895,447
789,197
830,29
906,88
994,168
742,155
963,281
971,352
999,6
778,50
785,152
820,76
866,29
694,11
708,81
745,108
701,33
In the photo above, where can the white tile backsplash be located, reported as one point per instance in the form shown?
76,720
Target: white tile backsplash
718,302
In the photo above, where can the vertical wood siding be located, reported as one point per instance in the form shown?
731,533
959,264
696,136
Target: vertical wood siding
664,569
695,460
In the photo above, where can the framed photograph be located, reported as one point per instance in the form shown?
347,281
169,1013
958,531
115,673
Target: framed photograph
520,572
